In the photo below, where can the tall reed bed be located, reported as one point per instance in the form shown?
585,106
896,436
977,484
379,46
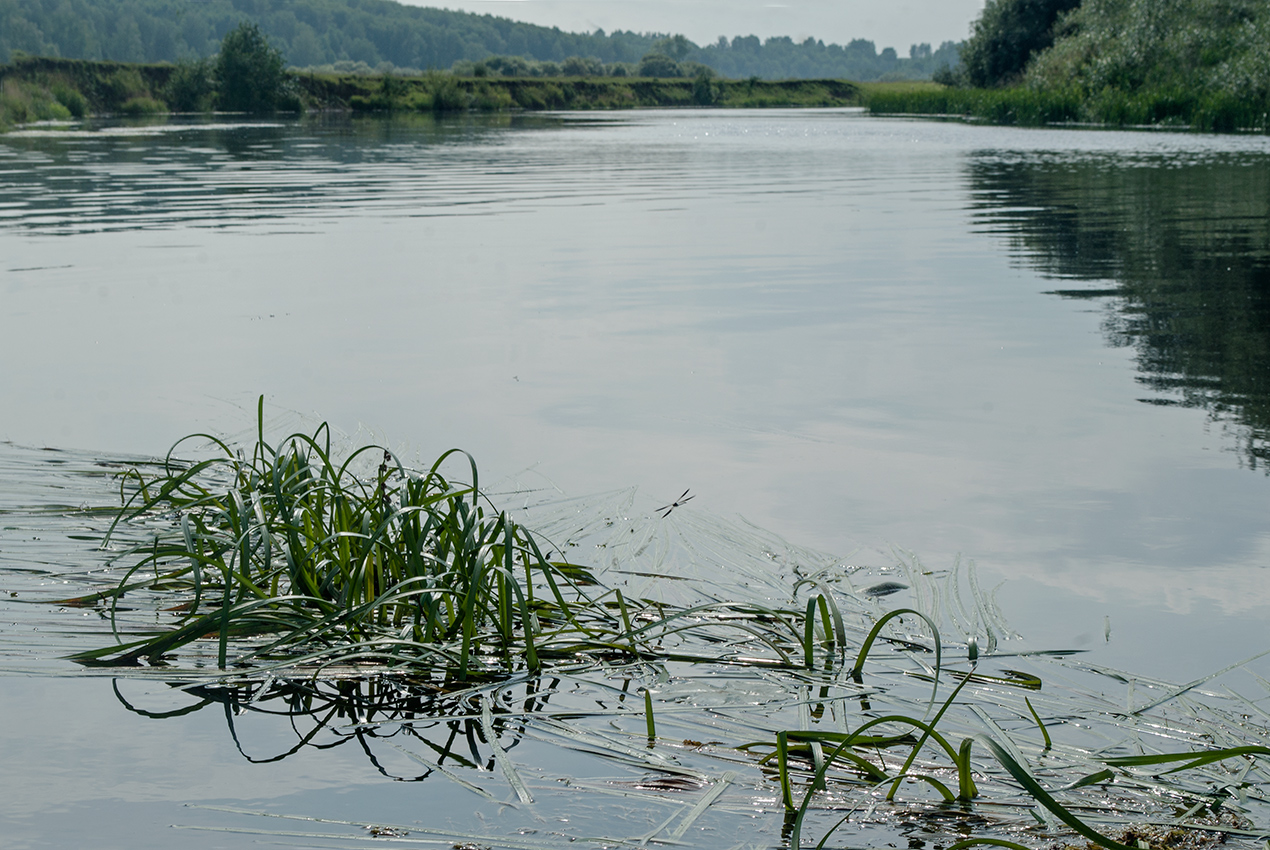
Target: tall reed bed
1033,107
1000,106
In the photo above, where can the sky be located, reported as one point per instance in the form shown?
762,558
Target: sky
888,23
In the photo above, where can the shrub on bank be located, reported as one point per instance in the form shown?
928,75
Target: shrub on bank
250,73
191,88
21,102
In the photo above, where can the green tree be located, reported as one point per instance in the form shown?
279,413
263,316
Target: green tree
659,65
249,71
677,47
705,91
1006,36
191,88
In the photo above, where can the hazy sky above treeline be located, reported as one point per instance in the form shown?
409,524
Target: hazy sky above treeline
888,23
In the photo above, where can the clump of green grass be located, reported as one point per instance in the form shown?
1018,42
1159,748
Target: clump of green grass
285,554
142,106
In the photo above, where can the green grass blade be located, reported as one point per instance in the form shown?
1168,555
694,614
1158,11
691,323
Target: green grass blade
1043,797
1192,759
1039,725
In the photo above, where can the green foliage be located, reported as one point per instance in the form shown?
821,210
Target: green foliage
249,72
783,58
659,65
1006,36
442,93
76,104
22,102
122,85
705,90
1021,106
676,47
1202,63
287,554
142,105
579,66
446,95
380,35
191,88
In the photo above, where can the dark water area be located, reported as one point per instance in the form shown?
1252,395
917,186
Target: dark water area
1022,373
1188,247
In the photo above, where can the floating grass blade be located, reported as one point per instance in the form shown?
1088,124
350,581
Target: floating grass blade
857,670
831,613
1043,797
1177,692
1039,725
992,842
500,755
928,730
1193,759
809,629
704,803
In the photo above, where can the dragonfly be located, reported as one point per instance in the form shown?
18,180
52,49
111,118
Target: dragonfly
665,510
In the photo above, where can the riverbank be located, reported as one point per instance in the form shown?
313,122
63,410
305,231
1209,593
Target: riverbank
42,89
1211,112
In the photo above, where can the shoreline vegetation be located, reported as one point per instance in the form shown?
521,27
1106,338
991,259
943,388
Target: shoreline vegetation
383,35
36,89
1028,63
1129,63
1208,112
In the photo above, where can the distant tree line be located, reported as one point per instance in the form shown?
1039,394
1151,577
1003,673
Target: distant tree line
859,60
380,35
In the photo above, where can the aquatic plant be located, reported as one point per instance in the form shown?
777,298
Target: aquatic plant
297,559
865,757
359,587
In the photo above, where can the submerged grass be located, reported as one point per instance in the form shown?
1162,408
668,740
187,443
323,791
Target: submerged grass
359,588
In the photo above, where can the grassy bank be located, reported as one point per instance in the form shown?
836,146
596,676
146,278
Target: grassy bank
445,92
1026,106
40,89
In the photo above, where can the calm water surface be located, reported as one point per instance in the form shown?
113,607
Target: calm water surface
1046,351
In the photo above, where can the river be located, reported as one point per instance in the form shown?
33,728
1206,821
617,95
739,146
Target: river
1043,351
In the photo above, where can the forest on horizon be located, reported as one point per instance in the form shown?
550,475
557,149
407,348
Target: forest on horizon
383,35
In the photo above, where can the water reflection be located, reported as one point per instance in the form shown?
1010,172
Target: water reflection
148,174
424,720
1186,246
